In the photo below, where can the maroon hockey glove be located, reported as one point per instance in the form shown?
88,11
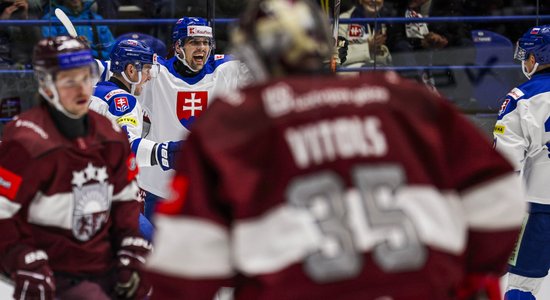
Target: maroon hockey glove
131,258
33,277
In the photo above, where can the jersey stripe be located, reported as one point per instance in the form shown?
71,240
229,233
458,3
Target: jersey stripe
281,237
128,193
8,208
56,210
285,235
485,210
207,258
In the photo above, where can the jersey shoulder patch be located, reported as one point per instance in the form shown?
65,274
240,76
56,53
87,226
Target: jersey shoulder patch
515,94
121,104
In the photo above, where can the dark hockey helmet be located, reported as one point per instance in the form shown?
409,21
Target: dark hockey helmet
130,52
535,41
59,53
278,37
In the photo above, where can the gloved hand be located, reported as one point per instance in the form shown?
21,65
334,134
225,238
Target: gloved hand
33,277
131,258
342,46
166,154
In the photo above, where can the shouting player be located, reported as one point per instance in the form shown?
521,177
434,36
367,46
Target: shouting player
180,93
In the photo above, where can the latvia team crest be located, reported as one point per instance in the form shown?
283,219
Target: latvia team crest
92,201
190,105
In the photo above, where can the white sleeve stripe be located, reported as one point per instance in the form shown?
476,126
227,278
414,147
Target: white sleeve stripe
191,248
128,193
499,204
143,154
8,208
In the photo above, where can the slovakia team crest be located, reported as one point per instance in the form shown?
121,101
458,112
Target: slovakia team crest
355,31
190,105
121,103
92,201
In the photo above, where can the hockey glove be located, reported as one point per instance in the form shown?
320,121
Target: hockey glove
33,278
166,154
131,258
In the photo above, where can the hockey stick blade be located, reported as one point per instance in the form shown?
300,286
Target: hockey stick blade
66,22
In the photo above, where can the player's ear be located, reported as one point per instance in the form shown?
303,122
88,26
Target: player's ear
178,46
129,70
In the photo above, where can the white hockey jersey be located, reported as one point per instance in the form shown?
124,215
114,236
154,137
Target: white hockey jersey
122,107
522,133
173,102
359,36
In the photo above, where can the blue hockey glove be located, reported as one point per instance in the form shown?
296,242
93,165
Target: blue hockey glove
166,154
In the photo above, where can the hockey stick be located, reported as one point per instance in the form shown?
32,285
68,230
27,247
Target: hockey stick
66,22
211,14
336,22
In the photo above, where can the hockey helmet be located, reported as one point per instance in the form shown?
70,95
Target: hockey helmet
192,27
535,41
54,54
130,52
60,53
158,46
278,37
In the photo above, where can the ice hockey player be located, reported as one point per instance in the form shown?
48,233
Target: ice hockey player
68,209
181,92
308,186
522,133
131,63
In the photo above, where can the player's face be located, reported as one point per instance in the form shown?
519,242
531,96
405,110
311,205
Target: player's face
75,87
145,76
196,49
372,6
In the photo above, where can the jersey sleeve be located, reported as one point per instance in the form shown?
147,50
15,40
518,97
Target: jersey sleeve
127,113
491,194
510,136
17,188
196,236
125,207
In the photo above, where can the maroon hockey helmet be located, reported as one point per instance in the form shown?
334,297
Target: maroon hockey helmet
278,37
54,54
60,53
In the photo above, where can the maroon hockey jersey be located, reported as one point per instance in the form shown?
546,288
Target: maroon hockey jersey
327,188
74,199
